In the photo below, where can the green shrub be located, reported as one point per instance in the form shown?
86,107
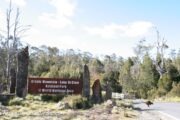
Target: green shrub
161,92
143,93
57,98
53,98
77,102
175,90
46,97
33,97
152,93
165,83
17,101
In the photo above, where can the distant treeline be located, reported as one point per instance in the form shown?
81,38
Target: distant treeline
135,75
141,75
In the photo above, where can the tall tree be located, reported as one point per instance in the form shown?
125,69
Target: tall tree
161,46
10,42
142,49
125,77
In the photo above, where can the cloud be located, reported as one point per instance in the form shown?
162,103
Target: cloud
20,3
37,38
134,29
64,7
61,18
54,21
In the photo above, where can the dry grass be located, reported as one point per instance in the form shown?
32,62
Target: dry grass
168,99
39,110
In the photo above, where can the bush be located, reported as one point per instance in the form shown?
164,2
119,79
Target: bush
152,93
33,97
46,98
175,90
17,101
53,98
143,93
81,103
165,83
161,92
112,77
77,102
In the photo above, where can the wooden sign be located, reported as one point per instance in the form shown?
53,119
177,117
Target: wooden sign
54,86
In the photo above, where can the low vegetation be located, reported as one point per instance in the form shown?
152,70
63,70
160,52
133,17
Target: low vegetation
77,107
77,102
52,98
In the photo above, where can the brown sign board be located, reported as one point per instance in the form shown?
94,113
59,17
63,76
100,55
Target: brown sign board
54,86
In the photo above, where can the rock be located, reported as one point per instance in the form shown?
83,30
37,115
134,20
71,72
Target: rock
86,82
96,89
108,91
12,80
115,110
22,72
109,103
62,105
4,98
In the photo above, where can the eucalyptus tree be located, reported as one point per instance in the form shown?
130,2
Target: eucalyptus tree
10,40
161,46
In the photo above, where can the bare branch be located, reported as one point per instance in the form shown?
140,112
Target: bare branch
161,46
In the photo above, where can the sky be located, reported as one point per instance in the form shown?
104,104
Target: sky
97,26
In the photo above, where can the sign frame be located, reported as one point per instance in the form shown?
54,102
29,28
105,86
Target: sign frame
38,85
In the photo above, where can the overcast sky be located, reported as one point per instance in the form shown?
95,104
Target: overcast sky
97,26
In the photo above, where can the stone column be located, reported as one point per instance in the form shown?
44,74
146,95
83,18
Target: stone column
96,89
108,91
12,80
22,72
86,82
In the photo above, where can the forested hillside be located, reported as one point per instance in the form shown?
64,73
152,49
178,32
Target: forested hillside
139,75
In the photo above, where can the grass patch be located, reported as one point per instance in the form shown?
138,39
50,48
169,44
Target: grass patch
33,97
169,99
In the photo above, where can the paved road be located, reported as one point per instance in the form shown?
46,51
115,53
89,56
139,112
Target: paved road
169,109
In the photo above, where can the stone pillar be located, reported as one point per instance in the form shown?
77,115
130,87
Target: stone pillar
22,72
12,80
108,91
86,82
96,89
